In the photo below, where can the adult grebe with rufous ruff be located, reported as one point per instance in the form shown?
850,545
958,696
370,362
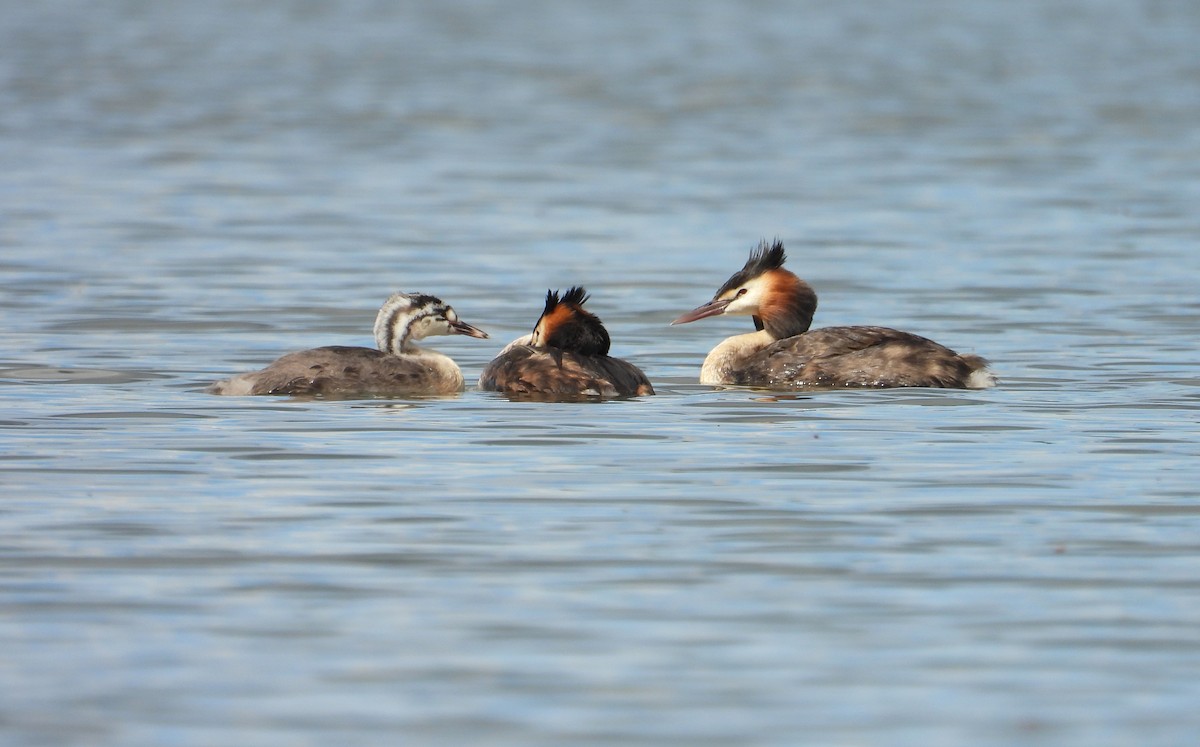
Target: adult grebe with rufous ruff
785,354
565,355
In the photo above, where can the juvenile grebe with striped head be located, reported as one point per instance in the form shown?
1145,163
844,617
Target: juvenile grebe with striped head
566,355
396,368
785,354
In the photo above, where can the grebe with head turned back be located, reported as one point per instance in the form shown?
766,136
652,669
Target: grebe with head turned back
566,355
397,368
785,354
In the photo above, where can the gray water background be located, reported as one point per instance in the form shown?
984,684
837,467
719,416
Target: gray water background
188,190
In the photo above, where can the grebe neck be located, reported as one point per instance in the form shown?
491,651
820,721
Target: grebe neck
787,307
726,357
394,324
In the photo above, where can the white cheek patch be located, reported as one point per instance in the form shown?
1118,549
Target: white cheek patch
748,302
432,326
737,306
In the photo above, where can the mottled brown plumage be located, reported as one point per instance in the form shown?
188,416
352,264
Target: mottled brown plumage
852,357
397,368
523,369
785,354
340,371
565,356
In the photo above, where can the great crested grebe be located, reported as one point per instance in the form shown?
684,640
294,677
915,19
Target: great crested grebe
566,355
785,354
398,367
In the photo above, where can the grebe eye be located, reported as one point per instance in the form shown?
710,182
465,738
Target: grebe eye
741,292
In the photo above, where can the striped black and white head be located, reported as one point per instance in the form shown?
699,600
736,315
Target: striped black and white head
780,302
408,317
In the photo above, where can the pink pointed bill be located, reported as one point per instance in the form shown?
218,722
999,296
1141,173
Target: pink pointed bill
712,308
462,328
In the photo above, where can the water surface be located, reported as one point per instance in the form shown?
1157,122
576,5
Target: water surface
189,191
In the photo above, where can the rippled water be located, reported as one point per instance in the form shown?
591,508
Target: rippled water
190,190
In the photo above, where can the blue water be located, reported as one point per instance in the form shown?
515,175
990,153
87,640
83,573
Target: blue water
190,190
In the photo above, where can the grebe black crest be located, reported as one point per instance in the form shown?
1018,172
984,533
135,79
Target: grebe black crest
785,354
396,367
566,325
566,355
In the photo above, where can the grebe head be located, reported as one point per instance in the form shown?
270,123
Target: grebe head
779,301
408,317
566,325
